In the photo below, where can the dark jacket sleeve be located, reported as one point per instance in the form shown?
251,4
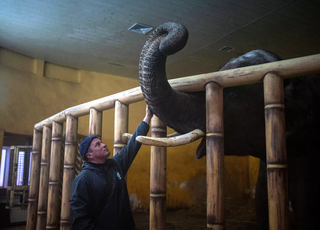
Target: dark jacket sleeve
127,154
79,211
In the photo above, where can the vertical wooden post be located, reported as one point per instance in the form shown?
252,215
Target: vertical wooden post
120,126
276,152
34,181
215,156
95,123
68,170
158,178
44,178
54,177
14,173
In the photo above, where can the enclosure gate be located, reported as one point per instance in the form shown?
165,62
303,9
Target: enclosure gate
47,138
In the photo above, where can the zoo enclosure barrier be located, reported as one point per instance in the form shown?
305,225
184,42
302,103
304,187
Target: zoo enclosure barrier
43,207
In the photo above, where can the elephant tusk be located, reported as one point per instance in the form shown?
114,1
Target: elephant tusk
174,134
127,136
172,141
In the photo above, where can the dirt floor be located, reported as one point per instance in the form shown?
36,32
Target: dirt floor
240,215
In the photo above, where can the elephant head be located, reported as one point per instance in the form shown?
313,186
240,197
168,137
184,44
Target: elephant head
185,112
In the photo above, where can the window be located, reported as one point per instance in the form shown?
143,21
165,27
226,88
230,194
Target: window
29,168
3,161
4,167
20,168
15,166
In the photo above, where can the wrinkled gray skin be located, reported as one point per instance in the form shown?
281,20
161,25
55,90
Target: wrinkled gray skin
243,119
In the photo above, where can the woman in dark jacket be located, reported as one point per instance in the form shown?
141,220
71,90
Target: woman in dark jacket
99,196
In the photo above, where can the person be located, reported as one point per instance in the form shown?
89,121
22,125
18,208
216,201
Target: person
99,195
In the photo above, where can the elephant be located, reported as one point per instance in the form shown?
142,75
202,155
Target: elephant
244,124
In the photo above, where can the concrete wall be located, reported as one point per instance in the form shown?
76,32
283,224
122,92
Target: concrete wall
32,90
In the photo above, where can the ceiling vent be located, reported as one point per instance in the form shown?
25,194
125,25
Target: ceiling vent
140,28
226,49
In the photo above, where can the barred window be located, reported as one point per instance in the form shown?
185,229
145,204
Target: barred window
29,168
3,161
4,166
20,168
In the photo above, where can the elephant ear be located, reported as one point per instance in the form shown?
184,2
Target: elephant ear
201,151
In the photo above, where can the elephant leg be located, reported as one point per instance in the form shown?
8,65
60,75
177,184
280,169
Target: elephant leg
261,198
304,190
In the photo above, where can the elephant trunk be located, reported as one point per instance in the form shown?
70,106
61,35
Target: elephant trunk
179,111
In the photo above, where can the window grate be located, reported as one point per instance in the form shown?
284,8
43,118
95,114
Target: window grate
20,168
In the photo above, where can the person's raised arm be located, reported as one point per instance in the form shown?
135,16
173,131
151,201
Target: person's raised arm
127,154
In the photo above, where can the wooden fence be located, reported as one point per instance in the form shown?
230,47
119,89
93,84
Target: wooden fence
43,208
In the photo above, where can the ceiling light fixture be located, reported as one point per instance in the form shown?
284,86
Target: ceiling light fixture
226,49
140,28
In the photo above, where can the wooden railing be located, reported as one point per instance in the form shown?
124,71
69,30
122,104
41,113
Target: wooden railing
41,216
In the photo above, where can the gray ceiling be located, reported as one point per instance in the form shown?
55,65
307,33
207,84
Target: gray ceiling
93,34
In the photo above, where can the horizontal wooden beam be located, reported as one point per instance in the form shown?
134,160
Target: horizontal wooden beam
247,75
126,97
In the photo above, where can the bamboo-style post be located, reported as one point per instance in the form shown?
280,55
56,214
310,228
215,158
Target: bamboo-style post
95,123
276,152
68,170
215,156
44,178
54,177
158,175
34,182
120,126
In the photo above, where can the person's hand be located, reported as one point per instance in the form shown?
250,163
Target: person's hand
148,116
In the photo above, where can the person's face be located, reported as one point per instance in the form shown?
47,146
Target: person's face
98,152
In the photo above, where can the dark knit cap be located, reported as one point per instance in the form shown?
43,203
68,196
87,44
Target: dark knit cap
84,146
